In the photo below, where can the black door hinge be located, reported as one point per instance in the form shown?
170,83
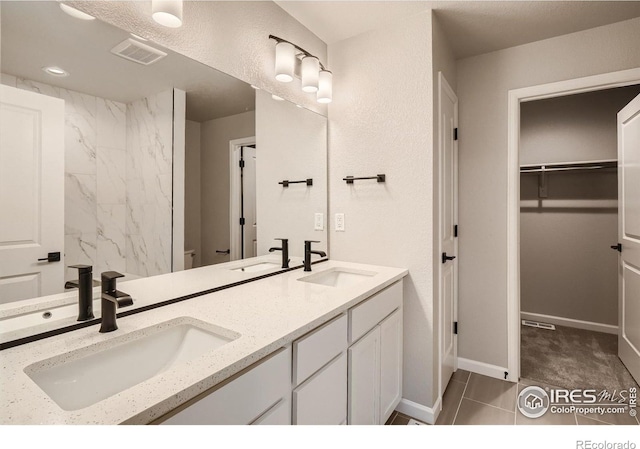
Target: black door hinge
241,163
455,133
455,231
455,327
617,247
242,221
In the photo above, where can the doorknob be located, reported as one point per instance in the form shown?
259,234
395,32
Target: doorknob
617,247
228,251
445,257
51,257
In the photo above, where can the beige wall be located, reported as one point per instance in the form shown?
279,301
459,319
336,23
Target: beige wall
292,145
192,192
214,146
567,268
483,85
380,121
231,36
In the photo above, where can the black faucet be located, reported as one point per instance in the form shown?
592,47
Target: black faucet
85,292
285,252
111,298
308,252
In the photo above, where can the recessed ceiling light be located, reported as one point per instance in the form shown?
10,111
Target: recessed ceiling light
76,13
277,98
55,71
167,12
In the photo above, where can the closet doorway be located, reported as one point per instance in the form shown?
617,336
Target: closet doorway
562,270
568,240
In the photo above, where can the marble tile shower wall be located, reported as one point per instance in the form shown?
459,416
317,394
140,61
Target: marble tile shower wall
149,184
118,180
95,190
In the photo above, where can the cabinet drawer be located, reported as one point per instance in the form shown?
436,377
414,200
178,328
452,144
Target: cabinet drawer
363,317
315,349
322,399
244,398
278,415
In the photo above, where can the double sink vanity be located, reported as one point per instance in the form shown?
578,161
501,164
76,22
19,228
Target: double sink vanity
289,347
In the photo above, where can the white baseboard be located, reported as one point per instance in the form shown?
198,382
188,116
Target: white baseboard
419,411
568,322
485,369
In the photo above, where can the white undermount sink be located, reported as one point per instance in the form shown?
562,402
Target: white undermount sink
338,277
44,316
258,267
89,375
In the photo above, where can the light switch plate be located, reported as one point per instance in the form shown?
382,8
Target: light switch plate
319,222
340,222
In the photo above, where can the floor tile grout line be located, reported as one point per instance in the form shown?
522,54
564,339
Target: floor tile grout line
489,405
453,422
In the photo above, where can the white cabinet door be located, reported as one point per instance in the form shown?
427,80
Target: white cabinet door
322,399
390,364
364,379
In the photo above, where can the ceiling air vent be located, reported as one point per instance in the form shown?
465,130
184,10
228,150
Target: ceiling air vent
138,52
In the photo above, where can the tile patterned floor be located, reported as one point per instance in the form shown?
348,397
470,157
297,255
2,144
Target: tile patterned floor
474,399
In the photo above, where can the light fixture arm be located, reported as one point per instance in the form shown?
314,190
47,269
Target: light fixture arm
300,49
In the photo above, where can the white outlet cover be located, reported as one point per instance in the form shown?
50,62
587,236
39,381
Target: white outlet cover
339,222
319,222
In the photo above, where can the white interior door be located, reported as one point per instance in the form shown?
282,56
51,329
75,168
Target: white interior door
629,235
31,194
448,207
249,193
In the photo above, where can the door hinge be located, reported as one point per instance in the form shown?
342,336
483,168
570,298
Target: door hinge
455,327
241,163
617,247
455,231
455,133
242,221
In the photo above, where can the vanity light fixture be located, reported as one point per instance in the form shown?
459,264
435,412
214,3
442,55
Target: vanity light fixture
292,61
167,12
55,71
73,12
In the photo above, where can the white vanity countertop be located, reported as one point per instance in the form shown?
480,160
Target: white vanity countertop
144,291
268,314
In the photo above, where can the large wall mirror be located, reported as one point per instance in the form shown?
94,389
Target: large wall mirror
125,156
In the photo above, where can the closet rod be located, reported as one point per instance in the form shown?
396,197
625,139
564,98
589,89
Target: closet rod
570,166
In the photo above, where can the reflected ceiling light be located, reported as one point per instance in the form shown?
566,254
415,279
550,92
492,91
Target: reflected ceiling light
292,60
55,71
75,12
277,98
167,12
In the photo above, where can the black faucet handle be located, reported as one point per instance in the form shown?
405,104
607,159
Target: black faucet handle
110,275
82,268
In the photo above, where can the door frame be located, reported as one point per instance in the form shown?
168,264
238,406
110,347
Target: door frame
516,96
234,192
445,88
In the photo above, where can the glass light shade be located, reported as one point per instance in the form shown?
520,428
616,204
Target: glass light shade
167,12
310,73
76,13
285,62
325,87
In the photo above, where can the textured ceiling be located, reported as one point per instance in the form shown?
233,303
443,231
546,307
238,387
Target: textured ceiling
472,27
38,34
